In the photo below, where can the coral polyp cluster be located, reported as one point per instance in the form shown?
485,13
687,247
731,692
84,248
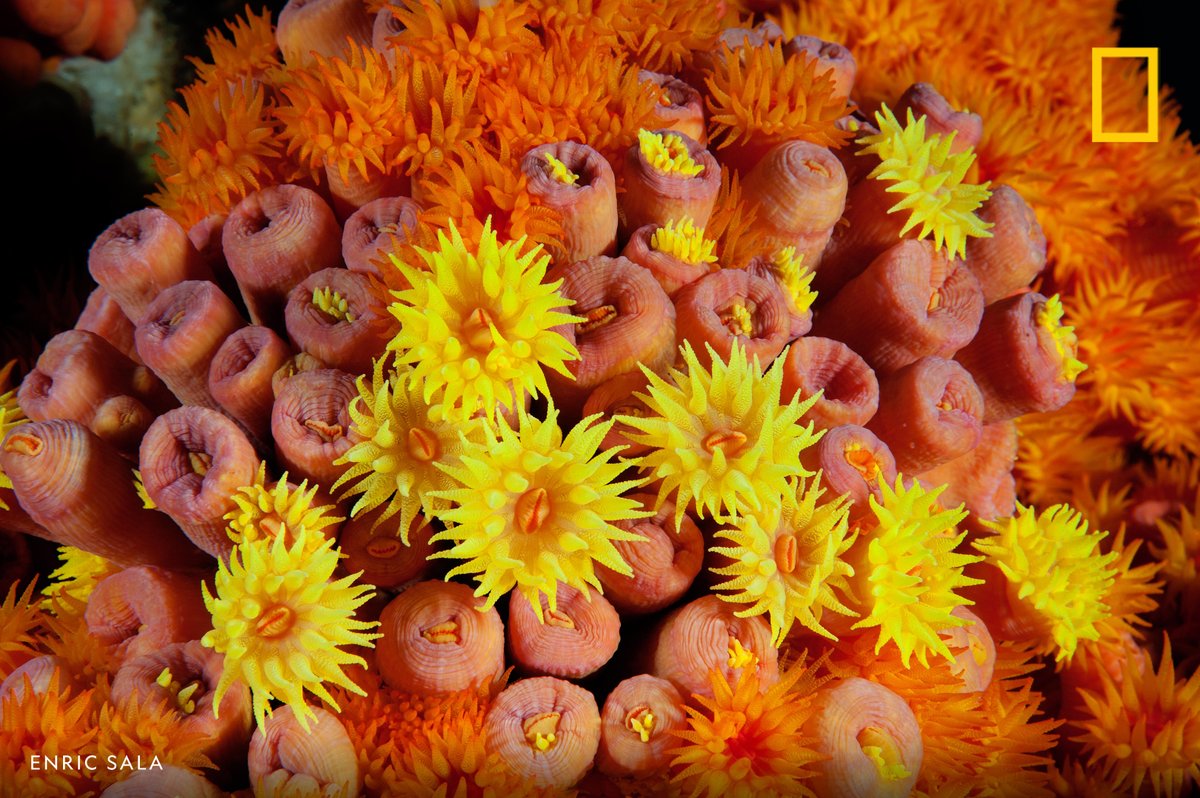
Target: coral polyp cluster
622,397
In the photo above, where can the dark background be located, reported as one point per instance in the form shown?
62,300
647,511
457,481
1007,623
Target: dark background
68,186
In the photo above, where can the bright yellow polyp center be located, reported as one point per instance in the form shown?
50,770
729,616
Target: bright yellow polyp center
795,279
275,621
560,172
560,619
541,731
882,750
332,304
444,633
531,510
739,655
262,511
423,445
728,440
863,461
668,154
787,553
640,721
684,241
1049,318
200,462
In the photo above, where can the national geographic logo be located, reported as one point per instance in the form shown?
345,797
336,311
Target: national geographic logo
1150,134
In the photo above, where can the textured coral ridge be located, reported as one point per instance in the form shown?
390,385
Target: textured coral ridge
430,488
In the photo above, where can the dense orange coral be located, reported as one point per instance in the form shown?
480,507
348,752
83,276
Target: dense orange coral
582,92
50,723
218,146
759,95
249,51
475,38
21,621
478,184
140,730
342,114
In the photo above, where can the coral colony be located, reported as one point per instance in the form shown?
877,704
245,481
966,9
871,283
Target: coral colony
624,398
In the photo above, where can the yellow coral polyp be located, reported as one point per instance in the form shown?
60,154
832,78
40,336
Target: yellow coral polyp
1056,573
402,441
907,569
534,508
477,324
668,154
785,560
922,168
795,278
263,512
77,575
281,622
720,439
683,240
559,171
1066,345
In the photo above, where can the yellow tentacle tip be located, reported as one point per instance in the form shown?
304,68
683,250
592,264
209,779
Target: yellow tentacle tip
559,171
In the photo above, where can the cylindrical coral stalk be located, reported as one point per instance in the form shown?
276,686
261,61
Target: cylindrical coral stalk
851,460
141,254
870,738
104,317
335,316
310,422
849,390
436,638
627,320
80,37
78,372
799,192
117,23
929,413
546,729
577,182
377,551
187,674
975,660
615,397
940,117
983,477
1016,252
205,236
239,376
36,675
79,489
832,58
287,758
668,176
866,232
732,305
140,609
636,726
1023,359
192,462
706,634
273,239
681,108
676,253
376,229
665,561
572,640
919,302
321,26
783,268
179,336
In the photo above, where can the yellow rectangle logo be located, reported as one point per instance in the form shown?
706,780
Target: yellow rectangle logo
1099,134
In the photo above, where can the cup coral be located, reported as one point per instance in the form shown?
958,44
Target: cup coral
786,561
720,438
533,508
267,512
478,325
281,622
